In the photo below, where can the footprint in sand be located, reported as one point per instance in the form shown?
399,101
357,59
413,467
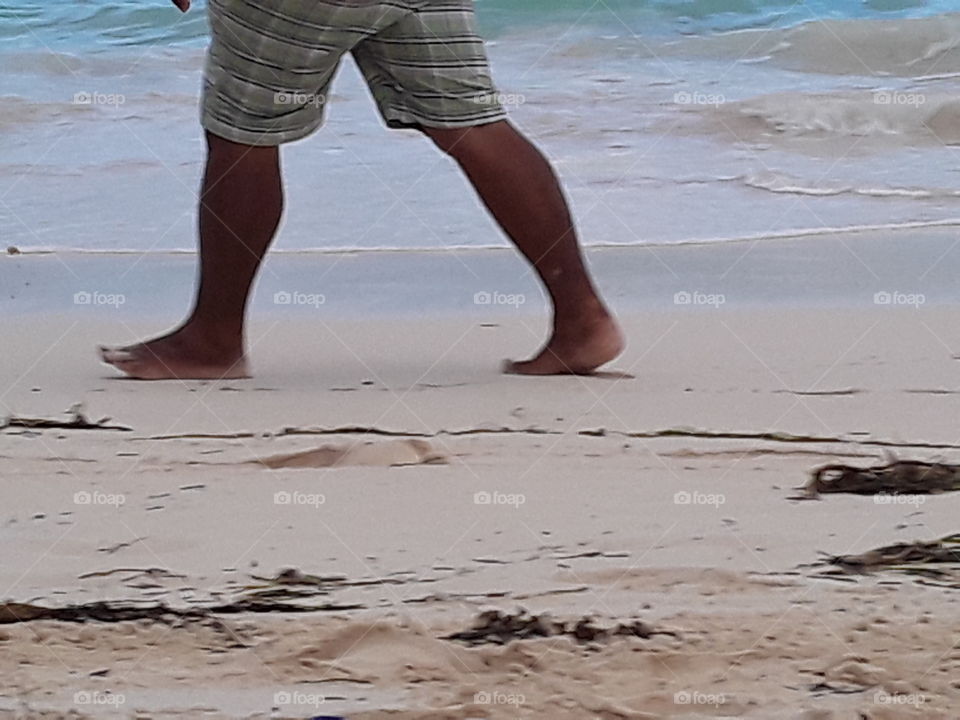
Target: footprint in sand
386,454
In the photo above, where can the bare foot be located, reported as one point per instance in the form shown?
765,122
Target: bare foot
181,355
575,349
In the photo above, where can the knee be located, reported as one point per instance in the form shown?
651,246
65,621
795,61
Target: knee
221,149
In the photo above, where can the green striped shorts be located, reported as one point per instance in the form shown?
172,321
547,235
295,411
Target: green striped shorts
270,65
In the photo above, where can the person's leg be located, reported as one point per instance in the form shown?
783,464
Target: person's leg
429,70
240,207
253,102
520,189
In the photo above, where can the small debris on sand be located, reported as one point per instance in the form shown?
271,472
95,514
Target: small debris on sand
500,628
77,421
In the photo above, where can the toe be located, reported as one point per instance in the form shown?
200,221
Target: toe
526,367
516,367
114,356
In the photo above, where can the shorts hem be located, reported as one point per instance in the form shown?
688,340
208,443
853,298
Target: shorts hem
266,138
401,118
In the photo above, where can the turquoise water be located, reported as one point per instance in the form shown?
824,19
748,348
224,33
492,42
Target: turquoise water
88,24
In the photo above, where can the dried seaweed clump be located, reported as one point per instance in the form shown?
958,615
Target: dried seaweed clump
901,477
500,628
937,560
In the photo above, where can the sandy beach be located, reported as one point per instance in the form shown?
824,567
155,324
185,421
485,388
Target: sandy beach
314,535
752,513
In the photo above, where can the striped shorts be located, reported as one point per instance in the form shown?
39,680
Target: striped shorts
270,65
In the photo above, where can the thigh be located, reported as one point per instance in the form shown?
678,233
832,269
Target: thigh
270,65
430,68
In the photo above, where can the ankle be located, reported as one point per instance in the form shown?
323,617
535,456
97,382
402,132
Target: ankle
588,311
213,339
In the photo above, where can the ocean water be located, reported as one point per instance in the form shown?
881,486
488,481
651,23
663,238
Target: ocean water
669,122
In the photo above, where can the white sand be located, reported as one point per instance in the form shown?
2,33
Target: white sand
757,633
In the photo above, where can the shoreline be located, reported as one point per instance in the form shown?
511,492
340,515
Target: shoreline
863,270
785,236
